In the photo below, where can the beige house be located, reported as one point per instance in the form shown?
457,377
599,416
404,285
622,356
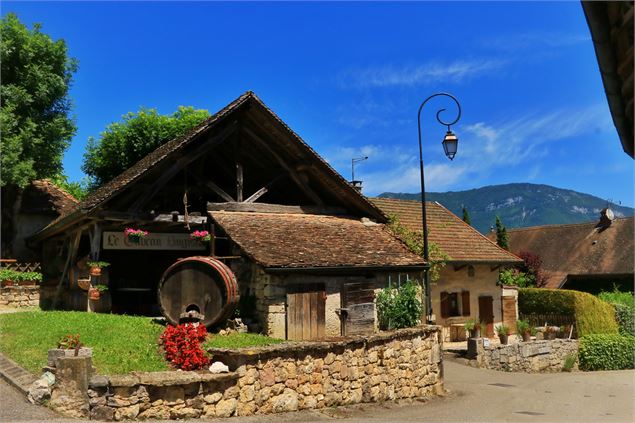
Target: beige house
468,284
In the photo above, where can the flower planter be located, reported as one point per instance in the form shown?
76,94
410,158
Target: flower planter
83,284
95,271
504,339
94,294
475,333
550,336
526,336
55,353
134,239
28,283
7,283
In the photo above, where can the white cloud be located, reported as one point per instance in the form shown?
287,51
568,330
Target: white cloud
426,73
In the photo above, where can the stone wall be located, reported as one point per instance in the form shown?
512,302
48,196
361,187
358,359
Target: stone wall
20,296
531,357
278,378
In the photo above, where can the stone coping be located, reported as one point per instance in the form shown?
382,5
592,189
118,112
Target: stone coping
303,348
165,378
536,343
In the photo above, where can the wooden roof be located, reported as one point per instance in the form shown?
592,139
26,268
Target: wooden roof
296,241
44,197
578,249
262,135
460,241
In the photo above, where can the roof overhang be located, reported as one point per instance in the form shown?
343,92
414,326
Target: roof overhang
346,269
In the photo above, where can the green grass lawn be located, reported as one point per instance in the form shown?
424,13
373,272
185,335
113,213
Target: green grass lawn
121,344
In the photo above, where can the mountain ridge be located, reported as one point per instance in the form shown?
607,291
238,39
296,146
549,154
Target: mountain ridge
520,205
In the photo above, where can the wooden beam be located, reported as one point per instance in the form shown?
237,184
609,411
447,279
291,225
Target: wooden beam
239,182
292,172
459,267
262,191
218,190
274,208
495,267
181,163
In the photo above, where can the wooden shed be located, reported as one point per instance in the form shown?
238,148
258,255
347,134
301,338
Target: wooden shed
292,230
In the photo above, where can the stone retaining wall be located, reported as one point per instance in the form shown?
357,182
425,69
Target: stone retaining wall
20,296
278,378
531,357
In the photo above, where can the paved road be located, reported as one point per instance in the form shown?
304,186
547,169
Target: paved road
476,395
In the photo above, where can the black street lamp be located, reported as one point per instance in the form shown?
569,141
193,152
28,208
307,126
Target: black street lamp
450,145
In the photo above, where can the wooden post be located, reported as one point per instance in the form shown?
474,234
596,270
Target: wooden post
95,241
239,182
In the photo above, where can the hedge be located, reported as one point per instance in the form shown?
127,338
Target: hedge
607,352
591,314
625,317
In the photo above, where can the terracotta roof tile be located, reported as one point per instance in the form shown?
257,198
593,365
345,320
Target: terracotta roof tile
454,237
306,240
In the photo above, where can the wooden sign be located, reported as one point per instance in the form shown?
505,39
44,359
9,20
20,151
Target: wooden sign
153,241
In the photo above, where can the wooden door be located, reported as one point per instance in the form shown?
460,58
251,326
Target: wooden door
509,312
486,314
358,304
306,313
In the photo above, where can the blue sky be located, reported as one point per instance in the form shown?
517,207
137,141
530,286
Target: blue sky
349,77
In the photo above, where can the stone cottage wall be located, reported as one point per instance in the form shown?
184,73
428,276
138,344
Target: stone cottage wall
278,378
20,296
531,357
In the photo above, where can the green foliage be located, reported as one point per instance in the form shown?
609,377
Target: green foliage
69,342
522,326
569,362
99,264
79,190
607,352
618,297
34,116
502,239
625,317
101,288
239,340
414,241
16,276
124,143
466,216
399,307
502,329
591,314
515,277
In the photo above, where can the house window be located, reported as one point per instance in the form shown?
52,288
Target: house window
455,304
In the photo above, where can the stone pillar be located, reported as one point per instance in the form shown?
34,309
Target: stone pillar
70,391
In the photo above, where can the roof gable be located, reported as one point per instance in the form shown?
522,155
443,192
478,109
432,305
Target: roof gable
246,128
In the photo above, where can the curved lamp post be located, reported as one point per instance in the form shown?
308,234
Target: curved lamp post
450,145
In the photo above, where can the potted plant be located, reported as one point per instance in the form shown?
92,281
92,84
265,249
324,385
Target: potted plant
524,330
68,346
29,278
8,277
473,326
94,293
201,236
135,235
503,333
96,266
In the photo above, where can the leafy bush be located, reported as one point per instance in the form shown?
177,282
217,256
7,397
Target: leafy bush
399,307
569,362
502,329
522,326
607,352
182,346
618,297
625,317
591,314
515,277
16,276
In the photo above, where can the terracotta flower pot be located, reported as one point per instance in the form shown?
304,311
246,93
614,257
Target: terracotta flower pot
95,271
475,333
526,336
7,282
94,294
134,239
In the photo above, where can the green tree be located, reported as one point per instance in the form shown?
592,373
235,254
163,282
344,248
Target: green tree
35,105
124,143
466,216
502,239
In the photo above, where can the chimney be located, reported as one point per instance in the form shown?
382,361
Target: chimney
357,185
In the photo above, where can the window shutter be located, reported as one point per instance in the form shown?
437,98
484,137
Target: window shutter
465,299
445,304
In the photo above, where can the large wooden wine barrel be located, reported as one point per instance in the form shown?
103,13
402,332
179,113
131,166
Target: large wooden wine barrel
202,284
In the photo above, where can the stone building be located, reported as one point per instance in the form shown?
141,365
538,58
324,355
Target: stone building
468,284
307,247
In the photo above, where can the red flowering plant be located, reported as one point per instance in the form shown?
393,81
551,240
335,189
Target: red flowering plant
200,236
182,346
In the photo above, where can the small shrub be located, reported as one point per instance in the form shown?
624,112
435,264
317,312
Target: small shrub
399,307
522,326
569,362
69,342
607,352
182,346
618,297
502,329
514,277
591,314
625,317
